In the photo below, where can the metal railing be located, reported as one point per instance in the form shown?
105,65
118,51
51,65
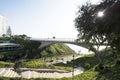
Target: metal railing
54,39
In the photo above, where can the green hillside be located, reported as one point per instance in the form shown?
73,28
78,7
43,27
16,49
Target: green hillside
51,51
36,59
56,50
110,71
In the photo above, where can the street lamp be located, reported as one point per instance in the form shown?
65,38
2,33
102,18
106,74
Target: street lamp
73,67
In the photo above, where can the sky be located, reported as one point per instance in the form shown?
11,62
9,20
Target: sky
42,18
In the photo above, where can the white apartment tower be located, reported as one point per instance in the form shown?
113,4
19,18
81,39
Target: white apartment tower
3,25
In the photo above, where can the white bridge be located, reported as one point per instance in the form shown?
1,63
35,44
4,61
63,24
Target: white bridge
48,41
45,42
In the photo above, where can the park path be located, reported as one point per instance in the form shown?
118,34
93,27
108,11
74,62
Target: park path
42,73
9,72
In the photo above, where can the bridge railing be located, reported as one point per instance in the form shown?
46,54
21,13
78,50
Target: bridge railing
54,39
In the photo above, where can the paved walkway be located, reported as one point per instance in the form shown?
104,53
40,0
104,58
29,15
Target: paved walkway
64,60
9,72
41,73
43,70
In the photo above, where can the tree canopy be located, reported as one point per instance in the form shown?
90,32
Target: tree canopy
95,30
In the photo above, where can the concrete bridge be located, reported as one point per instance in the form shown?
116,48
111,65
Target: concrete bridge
45,42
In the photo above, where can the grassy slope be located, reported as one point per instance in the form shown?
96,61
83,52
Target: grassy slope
6,64
57,49
111,70
53,50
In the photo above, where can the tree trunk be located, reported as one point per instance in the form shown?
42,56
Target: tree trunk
98,54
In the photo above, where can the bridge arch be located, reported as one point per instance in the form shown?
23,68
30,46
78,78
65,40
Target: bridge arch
47,42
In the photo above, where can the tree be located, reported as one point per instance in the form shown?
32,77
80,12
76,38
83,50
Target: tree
97,31
30,47
44,54
86,27
109,24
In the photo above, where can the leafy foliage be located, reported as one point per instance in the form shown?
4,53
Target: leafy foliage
6,64
97,31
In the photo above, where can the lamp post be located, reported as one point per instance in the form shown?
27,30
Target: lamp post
73,67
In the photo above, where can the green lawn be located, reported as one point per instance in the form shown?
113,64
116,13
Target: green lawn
6,64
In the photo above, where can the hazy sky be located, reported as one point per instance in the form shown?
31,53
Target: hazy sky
42,18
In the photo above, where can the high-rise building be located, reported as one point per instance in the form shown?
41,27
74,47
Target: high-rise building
4,25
